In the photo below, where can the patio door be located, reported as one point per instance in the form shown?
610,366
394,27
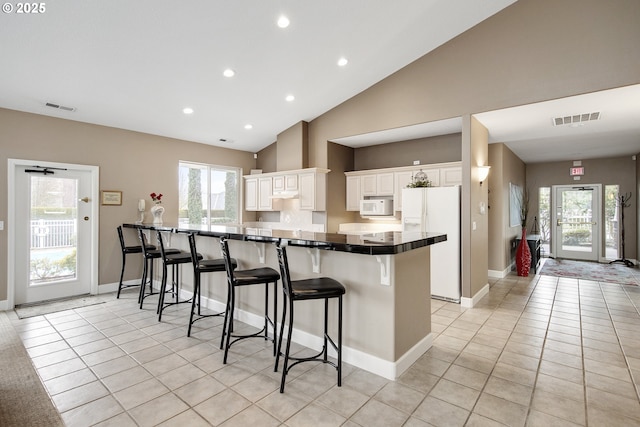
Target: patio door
53,232
577,222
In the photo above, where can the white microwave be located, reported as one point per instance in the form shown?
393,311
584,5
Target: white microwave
376,207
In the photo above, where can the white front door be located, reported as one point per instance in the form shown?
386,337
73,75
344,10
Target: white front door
55,218
577,222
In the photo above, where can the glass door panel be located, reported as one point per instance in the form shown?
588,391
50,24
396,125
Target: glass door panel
577,222
53,230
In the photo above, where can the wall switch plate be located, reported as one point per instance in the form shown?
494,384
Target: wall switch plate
416,162
1,225
474,226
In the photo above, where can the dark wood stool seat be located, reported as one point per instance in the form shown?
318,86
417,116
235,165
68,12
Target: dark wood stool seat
301,290
126,250
236,278
149,253
203,266
174,260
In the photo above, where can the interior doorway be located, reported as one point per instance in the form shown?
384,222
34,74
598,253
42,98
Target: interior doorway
53,231
576,222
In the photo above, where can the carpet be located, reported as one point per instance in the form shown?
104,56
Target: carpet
23,399
611,273
47,307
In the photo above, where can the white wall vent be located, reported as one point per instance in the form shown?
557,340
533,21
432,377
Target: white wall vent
59,107
576,118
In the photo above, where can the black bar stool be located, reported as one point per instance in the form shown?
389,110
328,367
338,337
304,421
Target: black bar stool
126,250
174,260
254,276
203,266
308,289
148,256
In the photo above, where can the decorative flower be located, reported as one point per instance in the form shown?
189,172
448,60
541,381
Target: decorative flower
419,180
157,198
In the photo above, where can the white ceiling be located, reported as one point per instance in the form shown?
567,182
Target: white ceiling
136,65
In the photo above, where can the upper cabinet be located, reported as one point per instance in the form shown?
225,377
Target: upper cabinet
313,191
353,193
391,181
287,182
307,185
265,191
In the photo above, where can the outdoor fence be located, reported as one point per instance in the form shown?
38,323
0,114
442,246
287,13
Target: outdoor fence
53,233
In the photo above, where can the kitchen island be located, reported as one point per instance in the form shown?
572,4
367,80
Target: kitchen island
387,307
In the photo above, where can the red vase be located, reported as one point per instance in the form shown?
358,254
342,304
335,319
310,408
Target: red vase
523,256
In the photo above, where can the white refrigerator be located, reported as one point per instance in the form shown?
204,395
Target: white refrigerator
437,209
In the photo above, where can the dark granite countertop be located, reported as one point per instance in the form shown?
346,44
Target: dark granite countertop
383,243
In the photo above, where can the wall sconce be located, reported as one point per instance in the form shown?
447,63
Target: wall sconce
483,173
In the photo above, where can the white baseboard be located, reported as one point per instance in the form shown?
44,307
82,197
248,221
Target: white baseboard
373,364
471,302
4,305
501,274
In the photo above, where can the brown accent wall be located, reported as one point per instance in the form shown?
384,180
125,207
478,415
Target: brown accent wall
293,147
506,167
340,161
135,163
475,224
436,149
612,171
268,158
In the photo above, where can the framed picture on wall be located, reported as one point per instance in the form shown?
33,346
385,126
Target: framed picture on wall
111,197
515,198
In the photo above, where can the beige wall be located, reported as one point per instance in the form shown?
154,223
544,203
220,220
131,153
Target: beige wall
340,161
475,224
292,151
506,167
533,50
436,149
613,171
267,158
133,162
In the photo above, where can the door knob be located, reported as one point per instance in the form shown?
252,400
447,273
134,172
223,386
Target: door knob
84,199
86,218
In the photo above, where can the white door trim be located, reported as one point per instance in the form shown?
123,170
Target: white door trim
95,224
598,209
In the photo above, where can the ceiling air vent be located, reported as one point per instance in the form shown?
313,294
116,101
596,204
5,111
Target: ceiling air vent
59,107
576,118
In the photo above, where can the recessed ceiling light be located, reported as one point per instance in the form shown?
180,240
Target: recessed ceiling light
283,21
248,126
342,62
229,72
187,110
290,98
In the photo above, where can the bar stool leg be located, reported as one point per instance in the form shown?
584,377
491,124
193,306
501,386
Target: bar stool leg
285,365
196,291
124,261
232,303
340,341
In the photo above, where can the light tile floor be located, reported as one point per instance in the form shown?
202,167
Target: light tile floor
540,351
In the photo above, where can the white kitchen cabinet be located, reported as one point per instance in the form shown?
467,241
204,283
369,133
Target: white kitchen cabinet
287,182
278,183
451,176
353,193
402,179
265,191
368,185
312,190
384,184
251,194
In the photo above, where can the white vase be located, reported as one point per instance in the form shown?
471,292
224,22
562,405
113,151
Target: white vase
157,211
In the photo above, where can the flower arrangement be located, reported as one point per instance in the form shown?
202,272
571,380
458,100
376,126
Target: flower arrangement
157,198
419,180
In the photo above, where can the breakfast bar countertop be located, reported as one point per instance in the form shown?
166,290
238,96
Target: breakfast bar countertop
381,243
